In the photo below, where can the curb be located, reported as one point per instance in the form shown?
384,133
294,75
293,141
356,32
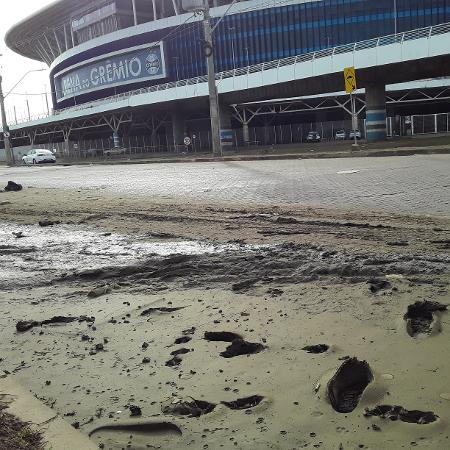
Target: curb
402,151
57,433
269,157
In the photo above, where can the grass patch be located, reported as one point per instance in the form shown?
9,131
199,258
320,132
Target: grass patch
17,435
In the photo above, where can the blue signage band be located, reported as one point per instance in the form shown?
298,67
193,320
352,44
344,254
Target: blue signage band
144,63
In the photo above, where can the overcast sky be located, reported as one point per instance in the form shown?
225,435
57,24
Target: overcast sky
13,66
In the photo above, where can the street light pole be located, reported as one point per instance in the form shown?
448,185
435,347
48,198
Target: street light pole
8,152
395,16
213,99
6,135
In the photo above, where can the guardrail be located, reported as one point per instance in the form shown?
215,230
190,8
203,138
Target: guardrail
311,56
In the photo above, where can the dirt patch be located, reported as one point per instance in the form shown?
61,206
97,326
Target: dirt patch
420,316
224,336
318,348
25,325
399,413
17,435
244,403
162,309
348,384
189,408
240,347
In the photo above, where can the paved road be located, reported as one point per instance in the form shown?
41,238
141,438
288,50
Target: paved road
414,184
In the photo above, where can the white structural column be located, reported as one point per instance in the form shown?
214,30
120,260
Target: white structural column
133,2
175,7
66,37
155,15
57,42
49,46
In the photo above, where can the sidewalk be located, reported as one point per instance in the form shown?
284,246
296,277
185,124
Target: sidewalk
57,433
418,145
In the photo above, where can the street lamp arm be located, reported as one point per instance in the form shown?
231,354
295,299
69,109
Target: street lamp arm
23,76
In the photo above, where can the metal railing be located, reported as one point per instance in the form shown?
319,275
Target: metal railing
261,67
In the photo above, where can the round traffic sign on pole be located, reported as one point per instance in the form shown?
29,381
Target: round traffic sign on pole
187,141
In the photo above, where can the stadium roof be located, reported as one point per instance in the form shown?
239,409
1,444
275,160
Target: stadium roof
21,37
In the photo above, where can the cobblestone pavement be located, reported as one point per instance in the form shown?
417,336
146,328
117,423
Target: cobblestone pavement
412,185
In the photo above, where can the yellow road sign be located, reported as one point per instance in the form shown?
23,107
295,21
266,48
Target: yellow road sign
350,79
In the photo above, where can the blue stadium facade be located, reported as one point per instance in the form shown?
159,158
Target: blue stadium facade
96,49
261,31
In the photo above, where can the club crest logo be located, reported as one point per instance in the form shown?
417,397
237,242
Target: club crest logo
152,63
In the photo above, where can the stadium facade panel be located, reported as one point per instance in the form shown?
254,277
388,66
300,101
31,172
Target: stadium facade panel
98,49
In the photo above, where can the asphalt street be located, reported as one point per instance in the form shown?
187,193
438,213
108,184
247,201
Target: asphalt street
411,184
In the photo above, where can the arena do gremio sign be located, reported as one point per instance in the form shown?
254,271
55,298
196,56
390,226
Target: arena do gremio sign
132,65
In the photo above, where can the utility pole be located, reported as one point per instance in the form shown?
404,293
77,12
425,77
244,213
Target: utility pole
213,99
8,152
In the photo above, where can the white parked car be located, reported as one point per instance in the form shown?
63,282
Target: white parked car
39,156
352,134
340,135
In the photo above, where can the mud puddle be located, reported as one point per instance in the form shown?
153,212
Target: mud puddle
35,254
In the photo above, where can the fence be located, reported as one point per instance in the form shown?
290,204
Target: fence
270,135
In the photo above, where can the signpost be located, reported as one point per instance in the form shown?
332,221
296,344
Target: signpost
187,142
350,88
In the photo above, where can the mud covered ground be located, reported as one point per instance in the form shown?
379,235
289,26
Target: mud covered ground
150,324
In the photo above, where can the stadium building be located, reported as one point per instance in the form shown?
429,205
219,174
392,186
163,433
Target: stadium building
132,73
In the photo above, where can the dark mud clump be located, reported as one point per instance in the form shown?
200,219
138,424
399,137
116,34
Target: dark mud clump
183,340
193,408
187,336
244,403
48,223
135,411
240,347
13,187
402,414
25,325
420,316
376,285
318,348
223,336
180,351
162,309
348,384
174,362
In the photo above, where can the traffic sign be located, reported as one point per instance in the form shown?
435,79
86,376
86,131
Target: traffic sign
187,141
7,134
350,80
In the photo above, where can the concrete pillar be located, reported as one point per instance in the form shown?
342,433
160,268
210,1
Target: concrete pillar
178,129
245,133
116,140
376,112
66,146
